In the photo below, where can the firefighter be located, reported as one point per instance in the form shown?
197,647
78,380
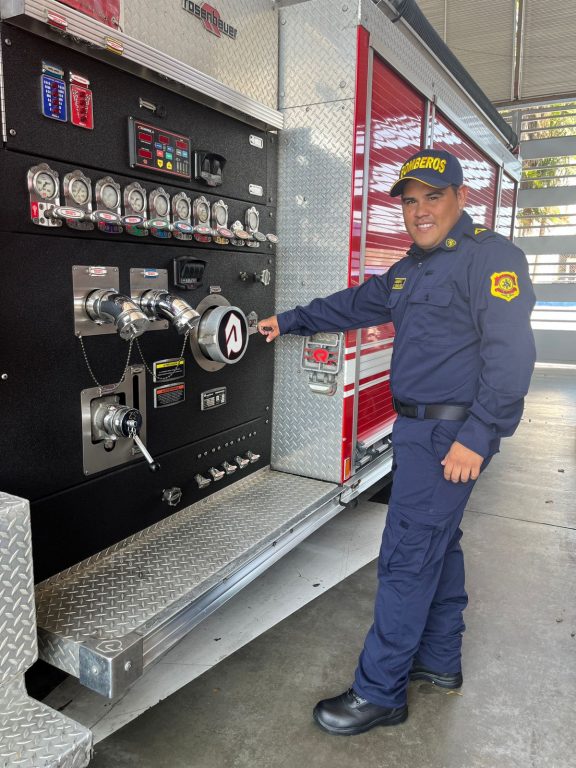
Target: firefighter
460,302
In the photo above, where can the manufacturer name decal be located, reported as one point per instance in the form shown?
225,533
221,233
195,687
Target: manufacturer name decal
210,18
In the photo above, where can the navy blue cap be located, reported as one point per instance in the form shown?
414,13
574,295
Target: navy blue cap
433,167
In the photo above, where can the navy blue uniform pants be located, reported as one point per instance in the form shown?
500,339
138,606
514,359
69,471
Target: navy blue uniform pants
421,595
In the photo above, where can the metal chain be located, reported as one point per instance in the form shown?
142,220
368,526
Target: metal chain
174,371
112,387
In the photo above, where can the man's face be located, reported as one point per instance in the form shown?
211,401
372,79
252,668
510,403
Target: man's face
430,212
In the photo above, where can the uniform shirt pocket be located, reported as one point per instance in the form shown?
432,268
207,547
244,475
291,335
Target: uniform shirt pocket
431,317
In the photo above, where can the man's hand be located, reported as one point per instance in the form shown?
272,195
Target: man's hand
269,328
461,464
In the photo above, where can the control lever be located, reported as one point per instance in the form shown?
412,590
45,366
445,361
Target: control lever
159,303
107,306
241,462
154,465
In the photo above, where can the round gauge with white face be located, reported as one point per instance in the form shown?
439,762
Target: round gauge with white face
109,196
136,200
45,185
252,220
162,205
203,212
79,191
221,215
182,208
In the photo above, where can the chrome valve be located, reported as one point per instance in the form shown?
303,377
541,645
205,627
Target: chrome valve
241,462
228,468
158,303
215,474
252,457
112,421
108,306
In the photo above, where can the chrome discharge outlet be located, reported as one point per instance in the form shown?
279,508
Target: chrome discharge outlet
161,304
108,306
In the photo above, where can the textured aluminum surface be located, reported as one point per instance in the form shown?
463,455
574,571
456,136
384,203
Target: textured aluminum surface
33,735
314,203
317,52
18,648
124,589
31,14
248,64
395,42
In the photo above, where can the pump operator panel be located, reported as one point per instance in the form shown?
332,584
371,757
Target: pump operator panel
138,231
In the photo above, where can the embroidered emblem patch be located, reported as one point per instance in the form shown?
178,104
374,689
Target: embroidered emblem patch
504,285
398,283
477,230
450,243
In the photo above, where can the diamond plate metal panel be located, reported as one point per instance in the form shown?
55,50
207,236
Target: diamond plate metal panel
34,736
314,204
317,52
396,43
248,63
18,648
125,588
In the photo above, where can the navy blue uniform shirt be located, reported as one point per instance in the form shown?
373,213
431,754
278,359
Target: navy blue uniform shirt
461,314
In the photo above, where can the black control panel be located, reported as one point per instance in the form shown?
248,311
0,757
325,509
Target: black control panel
97,206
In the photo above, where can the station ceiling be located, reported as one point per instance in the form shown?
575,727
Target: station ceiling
516,50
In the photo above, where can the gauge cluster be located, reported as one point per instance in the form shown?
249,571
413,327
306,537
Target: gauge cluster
133,210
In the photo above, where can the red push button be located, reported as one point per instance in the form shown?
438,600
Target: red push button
321,355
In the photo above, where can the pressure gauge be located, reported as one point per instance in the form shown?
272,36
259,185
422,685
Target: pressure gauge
45,185
252,219
220,215
109,195
162,205
201,210
182,208
79,191
136,200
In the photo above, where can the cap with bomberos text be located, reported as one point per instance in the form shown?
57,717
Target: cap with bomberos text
433,167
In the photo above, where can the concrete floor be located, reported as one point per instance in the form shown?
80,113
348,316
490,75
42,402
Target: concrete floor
517,706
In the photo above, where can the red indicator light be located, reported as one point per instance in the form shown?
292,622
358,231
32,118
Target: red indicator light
163,139
146,137
321,355
145,153
182,144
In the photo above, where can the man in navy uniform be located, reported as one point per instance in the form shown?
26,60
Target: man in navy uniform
460,302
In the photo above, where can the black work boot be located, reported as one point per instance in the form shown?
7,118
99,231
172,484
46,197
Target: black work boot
349,714
452,680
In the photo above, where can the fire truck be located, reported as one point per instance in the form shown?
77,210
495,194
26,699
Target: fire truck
170,173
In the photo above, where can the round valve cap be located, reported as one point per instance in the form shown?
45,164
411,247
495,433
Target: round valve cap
223,334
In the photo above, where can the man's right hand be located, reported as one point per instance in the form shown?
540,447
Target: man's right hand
269,328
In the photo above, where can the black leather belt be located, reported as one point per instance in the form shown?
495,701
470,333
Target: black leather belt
438,411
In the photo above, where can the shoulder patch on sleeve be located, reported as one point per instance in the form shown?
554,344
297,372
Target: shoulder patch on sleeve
504,285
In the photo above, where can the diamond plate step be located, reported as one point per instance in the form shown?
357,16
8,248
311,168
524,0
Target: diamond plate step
33,735
106,618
